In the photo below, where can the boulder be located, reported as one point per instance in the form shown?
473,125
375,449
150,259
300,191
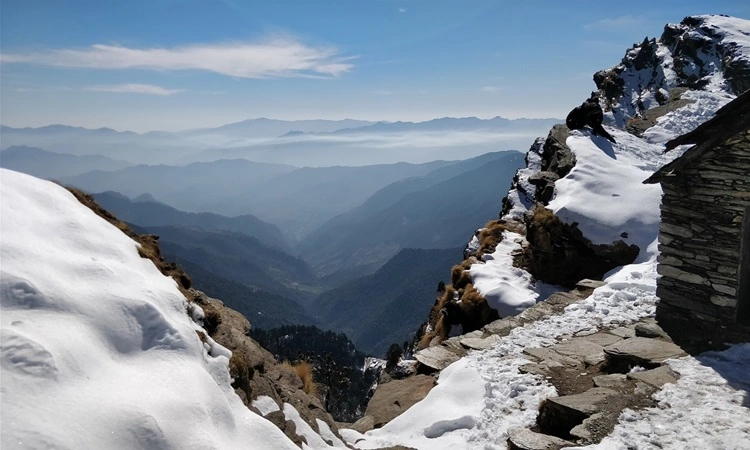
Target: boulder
524,439
363,425
393,398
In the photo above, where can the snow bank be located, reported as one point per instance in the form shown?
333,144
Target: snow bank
508,289
97,349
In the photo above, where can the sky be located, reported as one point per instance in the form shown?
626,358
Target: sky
144,65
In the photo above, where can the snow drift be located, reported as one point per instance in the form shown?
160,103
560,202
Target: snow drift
97,349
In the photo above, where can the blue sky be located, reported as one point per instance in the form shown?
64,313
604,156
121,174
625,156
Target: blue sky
170,65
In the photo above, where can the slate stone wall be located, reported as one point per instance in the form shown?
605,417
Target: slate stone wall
700,243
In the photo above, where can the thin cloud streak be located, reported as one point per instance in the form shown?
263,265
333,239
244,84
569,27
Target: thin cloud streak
134,88
272,58
491,89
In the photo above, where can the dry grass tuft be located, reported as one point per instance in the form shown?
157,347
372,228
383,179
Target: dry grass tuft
304,371
476,313
491,235
460,276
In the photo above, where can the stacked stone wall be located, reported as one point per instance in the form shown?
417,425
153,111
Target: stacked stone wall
700,236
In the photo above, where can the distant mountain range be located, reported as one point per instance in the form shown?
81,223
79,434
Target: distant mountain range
50,165
315,143
296,200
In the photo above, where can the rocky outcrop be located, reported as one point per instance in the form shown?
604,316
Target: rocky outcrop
257,373
558,253
689,55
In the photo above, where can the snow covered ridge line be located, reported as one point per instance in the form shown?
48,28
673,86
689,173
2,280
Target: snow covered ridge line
81,308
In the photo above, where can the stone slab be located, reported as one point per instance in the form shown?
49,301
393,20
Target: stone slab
546,354
578,348
642,351
437,357
623,332
501,327
649,330
480,343
524,439
602,338
655,377
559,415
611,381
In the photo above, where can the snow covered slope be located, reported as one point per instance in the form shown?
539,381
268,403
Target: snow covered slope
483,395
97,349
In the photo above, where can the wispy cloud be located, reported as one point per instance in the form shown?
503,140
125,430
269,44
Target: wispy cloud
270,58
491,89
402,10
134,88
382,92
614,23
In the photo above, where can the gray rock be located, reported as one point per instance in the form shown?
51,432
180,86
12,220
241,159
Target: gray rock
578,348
612,381
501,327
479,343
364,424
640,351
559,415
524,439
437,357
656,377
623,332
546,355
392,399
649,330
603,338
583,431
589,284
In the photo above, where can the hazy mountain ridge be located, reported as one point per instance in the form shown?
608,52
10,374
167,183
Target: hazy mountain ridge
145,212
237,257
51,165
426,212
380,309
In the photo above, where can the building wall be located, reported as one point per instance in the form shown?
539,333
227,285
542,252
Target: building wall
700,240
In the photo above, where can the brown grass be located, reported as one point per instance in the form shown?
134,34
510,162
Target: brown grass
460,276
491,235
476,312
304,371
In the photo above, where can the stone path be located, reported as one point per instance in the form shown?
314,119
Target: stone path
596,376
